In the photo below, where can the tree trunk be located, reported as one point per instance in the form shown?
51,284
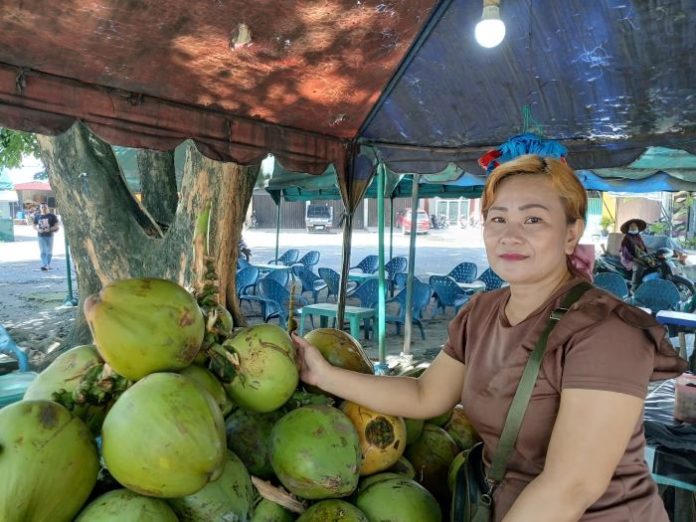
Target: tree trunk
112,236
158,185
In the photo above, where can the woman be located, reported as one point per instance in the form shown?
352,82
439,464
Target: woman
579,453
634,253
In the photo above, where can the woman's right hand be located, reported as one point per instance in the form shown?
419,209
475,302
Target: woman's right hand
313,367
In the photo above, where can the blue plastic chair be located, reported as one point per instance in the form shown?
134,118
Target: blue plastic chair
246,280
332,280
492,280
310,281
368,265
288,258
309,260
279,276
367,293
421,297
275,300
400,279
13,385
612,283
658,294
464,272
242,263
447,293
398,264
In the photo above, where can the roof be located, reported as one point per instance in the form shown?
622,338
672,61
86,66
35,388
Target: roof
403,78
33,185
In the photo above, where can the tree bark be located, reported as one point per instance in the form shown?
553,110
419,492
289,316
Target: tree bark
112,236
158,185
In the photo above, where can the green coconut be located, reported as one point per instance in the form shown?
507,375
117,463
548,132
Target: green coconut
230,497
414,429
398,499
48,463
441,419
141,326
461,430
122,504
164,437
315,452
266,374
210,384
403,467
333,510
268,511
249,436
431,456
63,373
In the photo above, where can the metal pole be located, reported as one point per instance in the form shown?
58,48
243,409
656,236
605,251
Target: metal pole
381,367
70,299
408,321
280,202
391,229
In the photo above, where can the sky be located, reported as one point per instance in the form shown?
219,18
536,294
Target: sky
25,173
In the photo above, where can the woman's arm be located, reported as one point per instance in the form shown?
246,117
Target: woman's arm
436,391
589,438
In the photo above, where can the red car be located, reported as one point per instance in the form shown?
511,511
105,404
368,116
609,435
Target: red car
403,221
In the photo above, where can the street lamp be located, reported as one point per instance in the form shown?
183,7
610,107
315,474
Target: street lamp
490,31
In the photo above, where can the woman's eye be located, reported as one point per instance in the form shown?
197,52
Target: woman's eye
533,220
497,219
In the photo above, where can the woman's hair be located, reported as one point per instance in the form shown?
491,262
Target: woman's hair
561,176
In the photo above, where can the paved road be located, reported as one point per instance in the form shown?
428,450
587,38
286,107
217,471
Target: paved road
438,251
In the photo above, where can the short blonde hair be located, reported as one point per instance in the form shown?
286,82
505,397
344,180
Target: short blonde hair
562,178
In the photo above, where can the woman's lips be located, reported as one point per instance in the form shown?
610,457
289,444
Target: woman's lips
512,257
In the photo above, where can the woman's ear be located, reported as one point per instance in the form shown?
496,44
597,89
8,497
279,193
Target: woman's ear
574,233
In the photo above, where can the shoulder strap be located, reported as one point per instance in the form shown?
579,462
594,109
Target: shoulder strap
520,401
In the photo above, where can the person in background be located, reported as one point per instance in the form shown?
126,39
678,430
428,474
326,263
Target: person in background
634,253
46,224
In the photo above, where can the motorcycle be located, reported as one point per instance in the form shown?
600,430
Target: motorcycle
663,266
439,222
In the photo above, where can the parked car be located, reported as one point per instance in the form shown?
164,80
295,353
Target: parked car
318,217
403,221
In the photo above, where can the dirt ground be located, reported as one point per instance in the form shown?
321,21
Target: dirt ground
33,309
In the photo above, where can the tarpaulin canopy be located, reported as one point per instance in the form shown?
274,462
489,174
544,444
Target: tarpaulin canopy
240,78
451,183
608,78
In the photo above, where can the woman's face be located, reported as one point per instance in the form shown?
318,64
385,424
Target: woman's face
526,233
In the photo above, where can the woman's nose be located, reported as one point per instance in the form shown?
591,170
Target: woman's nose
512,233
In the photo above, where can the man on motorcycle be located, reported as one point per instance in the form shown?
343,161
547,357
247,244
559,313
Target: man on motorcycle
634,253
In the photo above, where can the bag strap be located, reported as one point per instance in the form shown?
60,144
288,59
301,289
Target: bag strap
523,394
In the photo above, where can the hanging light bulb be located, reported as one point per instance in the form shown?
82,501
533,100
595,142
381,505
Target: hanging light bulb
490,31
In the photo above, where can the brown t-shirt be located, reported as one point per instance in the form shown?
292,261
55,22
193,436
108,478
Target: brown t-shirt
600,344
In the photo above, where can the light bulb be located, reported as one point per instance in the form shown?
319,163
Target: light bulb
490,31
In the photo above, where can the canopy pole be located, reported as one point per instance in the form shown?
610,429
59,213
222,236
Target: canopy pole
345,267
408,321
391,228
381,368
280,202
70,299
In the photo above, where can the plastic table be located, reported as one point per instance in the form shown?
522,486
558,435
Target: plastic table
683,321
353,314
